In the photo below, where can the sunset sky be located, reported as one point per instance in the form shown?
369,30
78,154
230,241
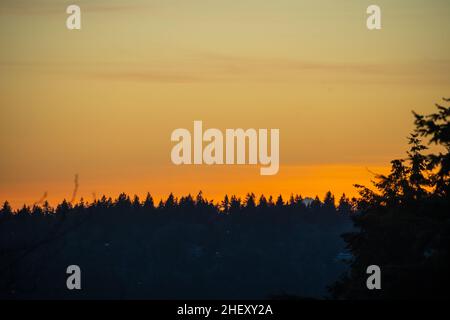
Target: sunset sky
102,102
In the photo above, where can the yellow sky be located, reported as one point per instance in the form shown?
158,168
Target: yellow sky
102,101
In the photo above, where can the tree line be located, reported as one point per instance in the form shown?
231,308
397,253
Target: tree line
186,247
229,205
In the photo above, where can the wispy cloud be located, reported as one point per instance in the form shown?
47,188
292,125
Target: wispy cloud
151,76
250,64
212,67
222,68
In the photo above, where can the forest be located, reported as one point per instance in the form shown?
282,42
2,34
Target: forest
250,248
179,248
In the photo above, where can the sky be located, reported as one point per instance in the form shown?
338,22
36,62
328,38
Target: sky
101,102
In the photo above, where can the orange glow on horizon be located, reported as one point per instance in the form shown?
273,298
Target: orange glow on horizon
213,181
